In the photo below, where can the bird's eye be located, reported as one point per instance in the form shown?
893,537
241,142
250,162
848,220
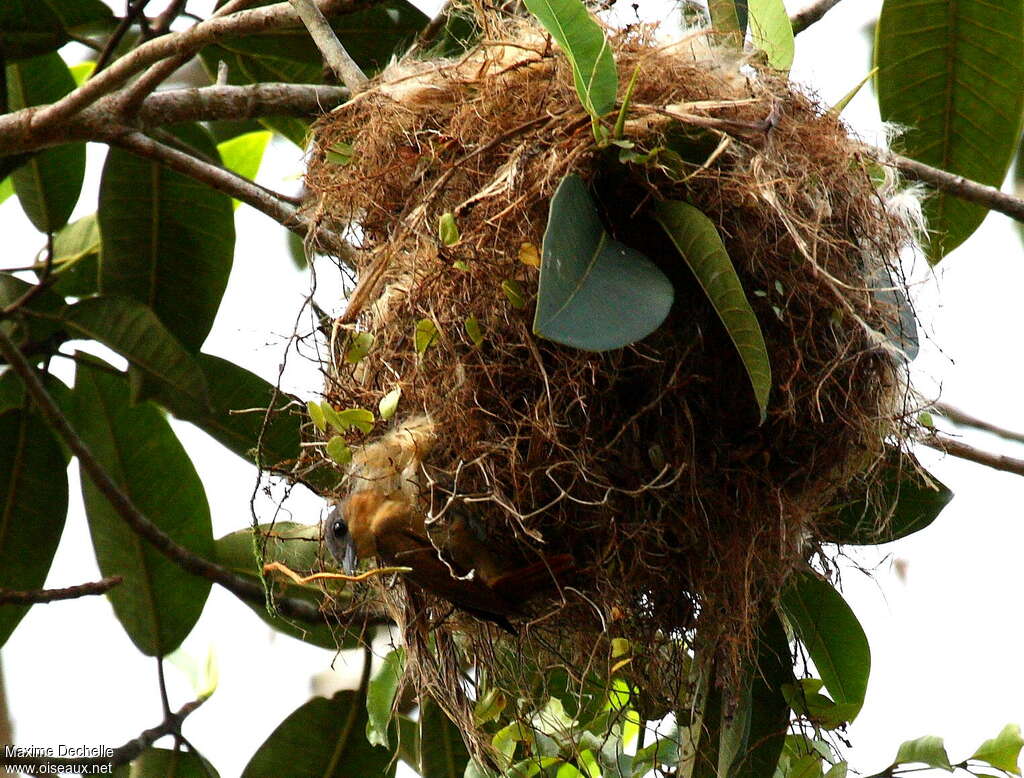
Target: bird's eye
339,528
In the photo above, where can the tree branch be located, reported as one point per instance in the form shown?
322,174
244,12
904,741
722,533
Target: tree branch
962,419
192,563
970,453
174,45
175,105
234,185
801,20
115,757
42,596
957,186
335,55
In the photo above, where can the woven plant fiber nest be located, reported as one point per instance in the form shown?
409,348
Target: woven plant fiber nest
650,465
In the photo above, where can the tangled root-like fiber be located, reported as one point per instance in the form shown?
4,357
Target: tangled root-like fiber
647,464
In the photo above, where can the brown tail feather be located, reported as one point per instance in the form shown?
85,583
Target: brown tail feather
533,579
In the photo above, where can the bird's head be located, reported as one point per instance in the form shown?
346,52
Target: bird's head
339,540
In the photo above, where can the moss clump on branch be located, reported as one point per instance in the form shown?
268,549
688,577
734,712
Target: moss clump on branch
647,464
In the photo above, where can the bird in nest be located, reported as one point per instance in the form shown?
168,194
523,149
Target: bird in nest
452,558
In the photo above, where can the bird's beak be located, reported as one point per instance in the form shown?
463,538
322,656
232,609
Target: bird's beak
349,560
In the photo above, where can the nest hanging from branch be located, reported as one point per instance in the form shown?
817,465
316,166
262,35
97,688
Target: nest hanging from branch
646,464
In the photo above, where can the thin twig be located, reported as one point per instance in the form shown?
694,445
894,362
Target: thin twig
43,596
801,20
962,419
190,562
134,9
431,31
955,185
335,55
162,23
114,757
970,453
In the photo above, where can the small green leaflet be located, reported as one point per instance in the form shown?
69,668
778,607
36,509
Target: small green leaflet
1002,751
340,153
448,230
928,750
514,292
317,415
473,330
359,347
338,450
586,48
697,240
426,334
360,418
595,293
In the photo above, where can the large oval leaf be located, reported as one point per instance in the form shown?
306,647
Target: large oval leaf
244,153
767,717
772,32
29,28
33,507
585,46
700,245
76,256
158,603
322,739
442,752
595,293
49,183
133,331
165,763
237,401
833,637
168,240
951,72
380,697
296,546
905,502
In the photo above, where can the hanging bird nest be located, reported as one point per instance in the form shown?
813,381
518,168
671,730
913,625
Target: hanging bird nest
649,465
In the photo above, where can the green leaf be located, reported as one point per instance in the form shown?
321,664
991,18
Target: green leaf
473,330
951,72
697,240
296,546
33,507
166,763
6,188
168,240
767,716
317,415
380,697
359,346
905,502
389,403
832,635
729,16
595,293
133,331
338,450
76,254
838,770
238,399
426,334
29,28
442,752
1003,751
158,603
585,46
243,154
771,32
82,71
514,293
340,153
325,737
49,183
31,333
927,750
447,230
844,101
360,418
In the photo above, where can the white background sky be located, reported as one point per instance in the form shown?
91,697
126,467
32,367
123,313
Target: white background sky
946,641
